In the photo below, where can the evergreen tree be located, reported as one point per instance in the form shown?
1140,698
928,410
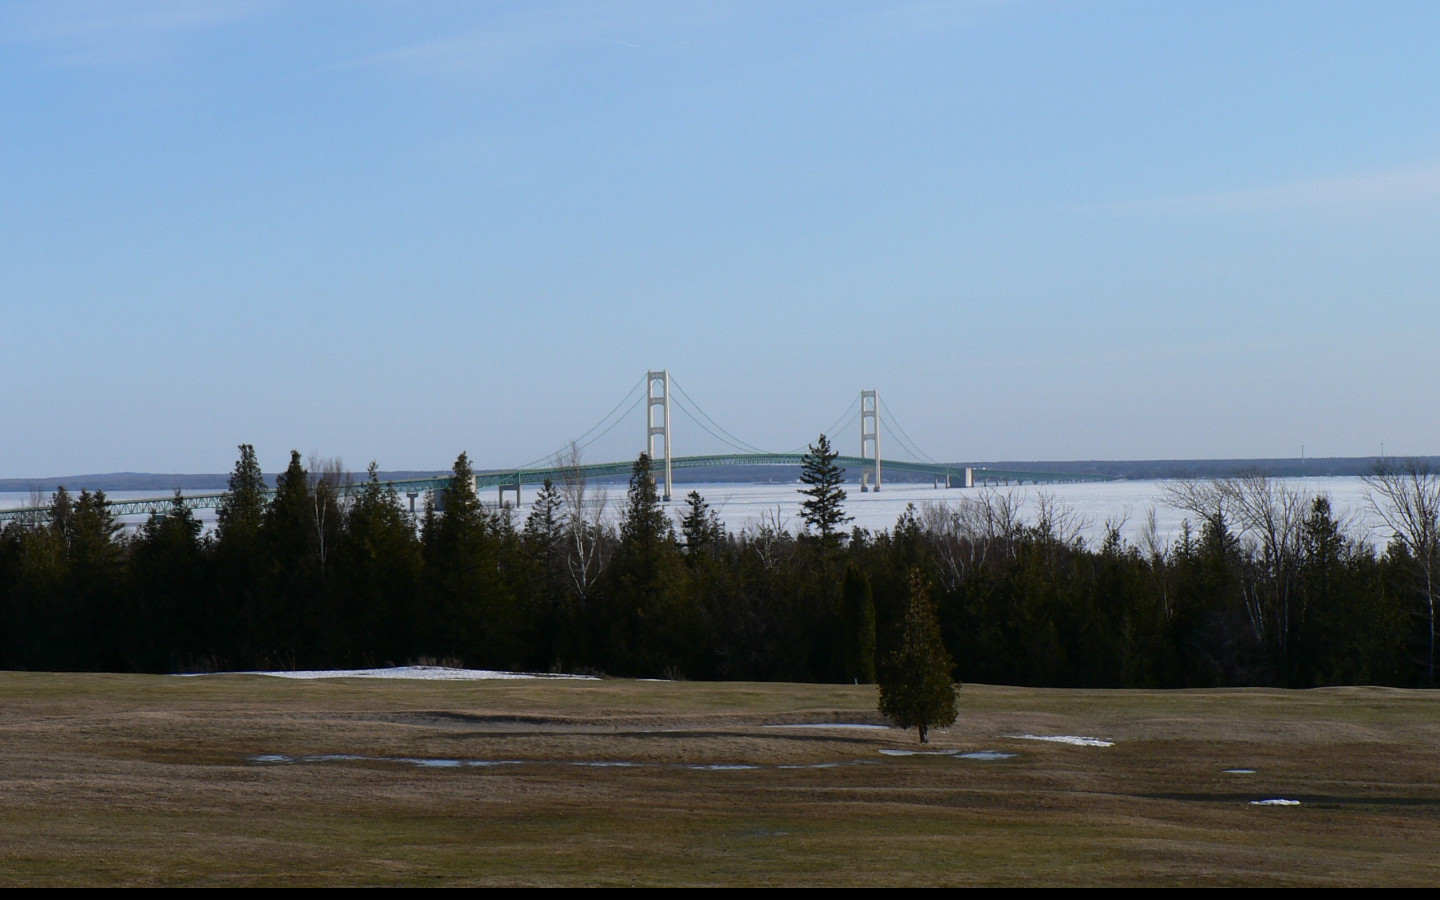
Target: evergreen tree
916,690
95,568
858,627
549,612
238,516
379,568
823,509
35,609
701,526
62,516
543,527
283,618
237,557
166,627
644,525
471,614
1354,629
643,619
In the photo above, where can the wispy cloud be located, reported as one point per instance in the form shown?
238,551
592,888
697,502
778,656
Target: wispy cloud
535,33
541,30
93,32
1378,189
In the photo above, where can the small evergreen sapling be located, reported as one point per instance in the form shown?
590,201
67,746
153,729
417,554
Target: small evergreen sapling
916,690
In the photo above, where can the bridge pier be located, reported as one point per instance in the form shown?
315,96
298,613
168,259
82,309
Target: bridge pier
658,399
504,488
870,433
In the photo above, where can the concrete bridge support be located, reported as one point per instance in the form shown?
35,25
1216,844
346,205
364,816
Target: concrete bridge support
870,434
505,488
657,399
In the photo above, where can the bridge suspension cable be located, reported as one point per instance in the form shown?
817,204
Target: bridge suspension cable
728,439
722,442
851,413
904,440
590,436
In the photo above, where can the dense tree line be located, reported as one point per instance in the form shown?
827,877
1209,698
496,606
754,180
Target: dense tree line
1263,587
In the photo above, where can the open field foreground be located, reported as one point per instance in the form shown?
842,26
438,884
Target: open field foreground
237,779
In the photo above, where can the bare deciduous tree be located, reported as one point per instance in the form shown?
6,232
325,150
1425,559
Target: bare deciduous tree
1269,521
330,493
965,532
1405,495
584,523
1057,521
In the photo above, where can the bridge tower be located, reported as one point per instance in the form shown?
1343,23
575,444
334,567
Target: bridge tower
657,393
870,435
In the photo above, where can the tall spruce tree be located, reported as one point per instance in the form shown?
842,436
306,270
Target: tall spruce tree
823,509
700,526
547,610
380,568
95,568
544,525
916,690
238,517
644,525
472,613
238,564
642,618
166,627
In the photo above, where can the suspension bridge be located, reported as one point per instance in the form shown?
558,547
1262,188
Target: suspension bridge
665,404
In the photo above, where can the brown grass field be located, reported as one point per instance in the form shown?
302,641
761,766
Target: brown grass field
130,780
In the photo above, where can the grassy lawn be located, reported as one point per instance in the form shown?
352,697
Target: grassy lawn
111,779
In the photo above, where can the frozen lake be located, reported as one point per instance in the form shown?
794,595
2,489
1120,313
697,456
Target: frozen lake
1094,503
742,505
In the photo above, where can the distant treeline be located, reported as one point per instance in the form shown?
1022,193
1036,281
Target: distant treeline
1145,469
1262,587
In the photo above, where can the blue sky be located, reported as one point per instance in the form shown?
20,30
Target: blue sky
395,231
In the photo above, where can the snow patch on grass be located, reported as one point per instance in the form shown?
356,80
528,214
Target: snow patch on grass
1276,802
1074,740
972,754
417,673
833,725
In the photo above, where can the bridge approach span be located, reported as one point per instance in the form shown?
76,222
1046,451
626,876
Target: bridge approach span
506,481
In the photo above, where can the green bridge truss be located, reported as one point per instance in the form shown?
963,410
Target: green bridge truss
514,478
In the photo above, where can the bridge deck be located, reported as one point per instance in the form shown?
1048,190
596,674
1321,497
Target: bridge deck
558,474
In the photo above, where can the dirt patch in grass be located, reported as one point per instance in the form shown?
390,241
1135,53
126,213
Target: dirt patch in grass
146,780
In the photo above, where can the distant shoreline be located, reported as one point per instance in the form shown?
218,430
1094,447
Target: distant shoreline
1126,469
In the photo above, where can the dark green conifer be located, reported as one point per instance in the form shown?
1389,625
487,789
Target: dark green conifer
916,690
644,525
380,567
643,619
858,627
544,525
700,526
472,613
823,509
238,516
